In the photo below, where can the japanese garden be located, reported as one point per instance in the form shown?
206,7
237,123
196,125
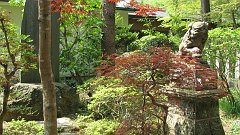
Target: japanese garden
120,67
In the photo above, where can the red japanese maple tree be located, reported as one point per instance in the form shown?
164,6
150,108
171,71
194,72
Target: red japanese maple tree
70,6
161,64
155,69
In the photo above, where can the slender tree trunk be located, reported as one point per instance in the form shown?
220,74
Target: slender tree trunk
238,82
8,74
108,41
45,67
6,93
205,4
234,19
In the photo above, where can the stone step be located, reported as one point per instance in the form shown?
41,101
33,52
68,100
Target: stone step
65,126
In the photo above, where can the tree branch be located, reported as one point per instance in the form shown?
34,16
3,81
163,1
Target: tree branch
7,43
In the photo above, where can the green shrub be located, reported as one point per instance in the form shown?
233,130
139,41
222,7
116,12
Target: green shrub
90,126
101,127
176,40
223,45
109,100
229,107
82,121
18,3
91,84
80,45
236,127
150,41
124,37
112,102
23,127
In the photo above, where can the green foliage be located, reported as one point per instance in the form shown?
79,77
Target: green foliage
222,12
221,52
113,100
23,127
124,38
101,127
22,109
83,120
177,25
148,23
89,85
17,108
187,9
236,127
231,108
223,44
109,100
80,45
176,40
181,13
90,126
156,39
14,54
155,3
150,41
18,3
224,40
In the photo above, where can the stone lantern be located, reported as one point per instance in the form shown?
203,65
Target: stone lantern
194,107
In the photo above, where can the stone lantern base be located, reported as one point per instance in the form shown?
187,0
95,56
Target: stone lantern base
194,112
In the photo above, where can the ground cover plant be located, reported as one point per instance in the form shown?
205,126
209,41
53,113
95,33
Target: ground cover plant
23,127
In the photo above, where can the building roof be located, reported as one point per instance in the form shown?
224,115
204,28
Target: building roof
156,14
123,5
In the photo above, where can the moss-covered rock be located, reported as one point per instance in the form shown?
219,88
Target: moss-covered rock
26,101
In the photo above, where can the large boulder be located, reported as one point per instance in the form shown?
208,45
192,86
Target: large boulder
26,101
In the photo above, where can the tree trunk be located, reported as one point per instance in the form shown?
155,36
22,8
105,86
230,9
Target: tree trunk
6,93
238,77
8,74
234,20
108,41
45,68
205,4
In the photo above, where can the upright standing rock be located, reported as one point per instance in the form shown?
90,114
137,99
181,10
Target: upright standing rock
30,27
